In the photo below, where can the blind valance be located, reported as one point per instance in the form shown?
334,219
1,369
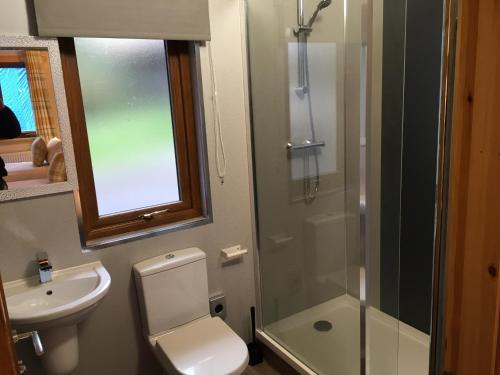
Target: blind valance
148,19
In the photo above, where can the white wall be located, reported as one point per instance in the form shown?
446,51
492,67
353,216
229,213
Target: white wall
110,340
14,18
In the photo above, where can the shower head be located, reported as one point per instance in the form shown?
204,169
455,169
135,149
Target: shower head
321,5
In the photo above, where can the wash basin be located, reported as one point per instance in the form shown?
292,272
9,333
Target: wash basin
71,292
55,308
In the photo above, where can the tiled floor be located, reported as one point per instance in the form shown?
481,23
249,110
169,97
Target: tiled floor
261,369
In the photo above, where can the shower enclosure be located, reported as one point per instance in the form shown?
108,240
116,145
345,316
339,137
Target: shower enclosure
329,84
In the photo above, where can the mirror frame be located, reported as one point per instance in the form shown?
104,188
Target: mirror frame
52,46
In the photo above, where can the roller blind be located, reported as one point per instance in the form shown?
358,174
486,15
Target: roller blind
148,19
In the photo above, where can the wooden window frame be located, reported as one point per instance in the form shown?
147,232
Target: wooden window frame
179,65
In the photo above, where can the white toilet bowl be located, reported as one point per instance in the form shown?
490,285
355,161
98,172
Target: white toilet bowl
205,347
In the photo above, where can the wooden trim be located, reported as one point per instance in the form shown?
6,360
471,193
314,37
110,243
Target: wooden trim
12,59
473,250
462,122
447,81
28,135
12,65
8,360
180,52
20,144
189,206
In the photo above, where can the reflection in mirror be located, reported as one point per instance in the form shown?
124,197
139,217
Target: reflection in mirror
31,150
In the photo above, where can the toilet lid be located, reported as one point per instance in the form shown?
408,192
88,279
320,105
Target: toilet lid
205,347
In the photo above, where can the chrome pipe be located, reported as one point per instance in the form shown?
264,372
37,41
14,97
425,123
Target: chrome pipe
35,338
300,12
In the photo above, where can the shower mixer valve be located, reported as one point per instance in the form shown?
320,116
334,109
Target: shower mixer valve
307,144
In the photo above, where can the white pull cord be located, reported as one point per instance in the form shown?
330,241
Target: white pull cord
220,157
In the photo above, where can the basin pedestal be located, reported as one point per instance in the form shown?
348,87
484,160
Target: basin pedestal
61,350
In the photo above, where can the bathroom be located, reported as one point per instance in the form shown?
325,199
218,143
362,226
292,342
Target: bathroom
319,134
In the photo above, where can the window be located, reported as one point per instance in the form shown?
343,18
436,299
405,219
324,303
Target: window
133,122
15,93
26,87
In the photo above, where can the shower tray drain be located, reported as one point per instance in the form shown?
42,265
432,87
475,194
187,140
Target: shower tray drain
323,325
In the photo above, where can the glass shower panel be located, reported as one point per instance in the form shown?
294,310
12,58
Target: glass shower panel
345,135
383,55
305,95
318,99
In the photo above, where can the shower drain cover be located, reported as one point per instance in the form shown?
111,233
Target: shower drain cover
322,325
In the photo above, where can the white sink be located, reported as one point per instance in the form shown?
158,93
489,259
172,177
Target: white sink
71,291
55,308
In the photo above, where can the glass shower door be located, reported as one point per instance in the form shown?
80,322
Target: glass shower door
305,84
316,86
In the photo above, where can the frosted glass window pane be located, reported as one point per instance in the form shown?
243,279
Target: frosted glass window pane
126,99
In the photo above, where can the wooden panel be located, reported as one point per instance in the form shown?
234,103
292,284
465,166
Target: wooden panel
462,115
473,287
8,362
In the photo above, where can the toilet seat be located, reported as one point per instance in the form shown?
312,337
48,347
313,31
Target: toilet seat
205,347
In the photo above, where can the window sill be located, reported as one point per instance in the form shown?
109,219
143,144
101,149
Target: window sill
151,232
20,144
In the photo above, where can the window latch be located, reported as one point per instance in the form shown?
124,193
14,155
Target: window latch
150,215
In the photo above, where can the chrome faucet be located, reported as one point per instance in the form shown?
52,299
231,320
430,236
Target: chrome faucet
44,267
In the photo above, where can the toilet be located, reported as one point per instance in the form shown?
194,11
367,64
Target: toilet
173,297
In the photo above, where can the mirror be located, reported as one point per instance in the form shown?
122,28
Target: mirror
36,154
